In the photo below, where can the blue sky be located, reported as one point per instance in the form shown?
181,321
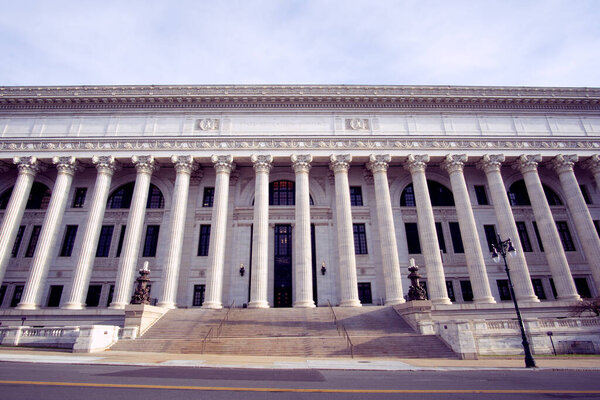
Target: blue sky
421,42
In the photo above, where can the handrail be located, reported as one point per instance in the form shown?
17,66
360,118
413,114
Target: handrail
205,339
348,342
225,318
335,321
218,329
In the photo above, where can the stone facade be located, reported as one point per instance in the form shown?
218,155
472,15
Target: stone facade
340,160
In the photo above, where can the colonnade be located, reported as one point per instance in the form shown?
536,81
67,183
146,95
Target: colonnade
340,164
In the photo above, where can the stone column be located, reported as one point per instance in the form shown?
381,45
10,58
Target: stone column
34,286
340,164
555,254
302,245
106,166
378,165
260,238
184,165
593,165
454,165
507,228
218,232
436,281
28,168
145,166
583,219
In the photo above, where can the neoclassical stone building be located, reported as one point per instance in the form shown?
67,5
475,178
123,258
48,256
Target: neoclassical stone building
296,196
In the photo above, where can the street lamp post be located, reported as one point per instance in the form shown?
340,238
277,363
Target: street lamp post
504,247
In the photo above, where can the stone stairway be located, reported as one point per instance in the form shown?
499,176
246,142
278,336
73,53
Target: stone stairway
302,332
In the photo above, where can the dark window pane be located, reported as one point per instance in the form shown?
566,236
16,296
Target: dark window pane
597,226
93,296
151,241
551,196
440,236
482,199
79,198
585,194
537,236
450,289
5,198
356,196
282,193
412,238
35,235
457,243
18,240
2,294
121,197
121,239
209,197
553,288
39,197
104,240
467,290
198,295
565,236
407,199
55,295
364,293
69,241
16,299
538,288
582,288
204,240
524,236
111,292
360,239
490,235
503,289
155,198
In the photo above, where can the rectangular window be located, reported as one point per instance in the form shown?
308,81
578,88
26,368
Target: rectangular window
412,238
356,196
467,290
104,241
585,194
68,241
18,240
121,239
482,199
204,240
440,236
565,235
93,296
360,239
209,197
597,226
503,289
553,288
538,288
151,241
582,287
55,295
490,235
364,293
457,243
16,298
524,236
2,294
35,235
111,292
450,289
537,236
198,295
79,198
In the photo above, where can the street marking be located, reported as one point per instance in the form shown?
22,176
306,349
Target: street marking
297,390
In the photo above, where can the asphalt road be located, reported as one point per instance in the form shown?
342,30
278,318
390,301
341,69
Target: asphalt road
64,382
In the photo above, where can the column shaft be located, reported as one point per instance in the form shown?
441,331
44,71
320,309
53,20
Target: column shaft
28,168
579,210
184,165
436,281
345,233
260,239
106,167
491,164
302,245
555,254
40,264
218,240
482,293
378,164
133,235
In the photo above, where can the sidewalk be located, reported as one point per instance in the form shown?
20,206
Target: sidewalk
14,354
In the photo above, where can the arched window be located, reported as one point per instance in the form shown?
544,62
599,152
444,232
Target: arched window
518,196
282,193
121,198
4,198
439,195
39,197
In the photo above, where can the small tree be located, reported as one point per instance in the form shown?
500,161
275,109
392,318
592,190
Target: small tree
587,305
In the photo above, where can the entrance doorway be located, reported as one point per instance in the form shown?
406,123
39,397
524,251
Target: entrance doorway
282,293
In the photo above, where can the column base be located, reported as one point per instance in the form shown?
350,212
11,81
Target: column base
167,304
258,304
393,302
350,303
443,300
528,299
212,305
485,300
73,306
304,304
117,306
571,297
27,306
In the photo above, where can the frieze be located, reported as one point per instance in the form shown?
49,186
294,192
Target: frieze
207,124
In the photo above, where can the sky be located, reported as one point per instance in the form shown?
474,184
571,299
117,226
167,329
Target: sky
374,42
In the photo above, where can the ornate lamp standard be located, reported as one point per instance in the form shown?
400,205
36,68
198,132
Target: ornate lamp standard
504,247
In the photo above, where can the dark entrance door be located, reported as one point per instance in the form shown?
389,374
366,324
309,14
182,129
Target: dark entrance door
283,266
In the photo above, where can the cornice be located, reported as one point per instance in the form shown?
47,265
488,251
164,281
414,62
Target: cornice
297,97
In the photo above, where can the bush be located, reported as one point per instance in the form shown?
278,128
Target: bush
585,306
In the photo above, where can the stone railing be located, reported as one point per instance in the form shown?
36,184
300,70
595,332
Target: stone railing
87,338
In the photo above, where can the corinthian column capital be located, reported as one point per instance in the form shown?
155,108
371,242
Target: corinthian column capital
106,164
340,162
454,163
527,162
29,165
144,164
65,165
416,162
563,163
491,162
301,162
223,163
262,163
592,164
379,162
184,164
